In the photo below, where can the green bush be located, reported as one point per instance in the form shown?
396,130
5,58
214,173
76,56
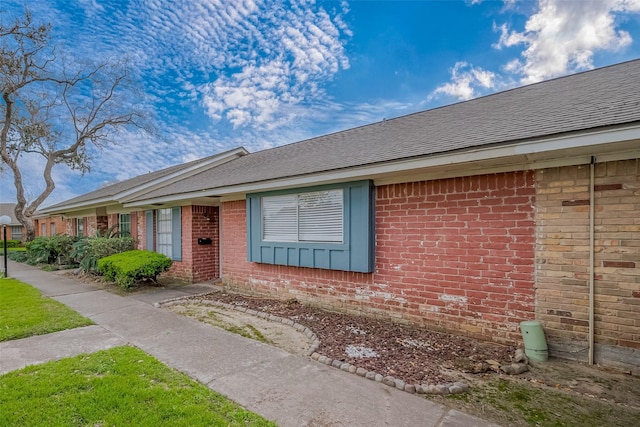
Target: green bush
19,256
12,243
87,251
127,268
51,250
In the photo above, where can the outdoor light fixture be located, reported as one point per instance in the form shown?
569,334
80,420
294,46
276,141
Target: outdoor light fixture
5,220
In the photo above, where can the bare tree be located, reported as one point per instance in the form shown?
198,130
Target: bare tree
54,109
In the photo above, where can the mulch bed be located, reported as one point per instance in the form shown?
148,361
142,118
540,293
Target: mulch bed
413,354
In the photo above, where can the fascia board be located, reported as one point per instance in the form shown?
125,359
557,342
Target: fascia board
179,175
78,206
535,154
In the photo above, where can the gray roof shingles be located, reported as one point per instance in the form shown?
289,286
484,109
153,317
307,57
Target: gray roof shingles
128,184
594,99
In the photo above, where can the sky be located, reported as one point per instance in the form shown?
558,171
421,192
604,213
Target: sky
217,74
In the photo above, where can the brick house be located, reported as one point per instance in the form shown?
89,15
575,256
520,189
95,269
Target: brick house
471,217
15,230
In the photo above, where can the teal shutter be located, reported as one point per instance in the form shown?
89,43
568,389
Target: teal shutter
356,252
176,234
149,230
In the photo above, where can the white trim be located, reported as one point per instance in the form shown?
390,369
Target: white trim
84,205
118,198
181,174
535,154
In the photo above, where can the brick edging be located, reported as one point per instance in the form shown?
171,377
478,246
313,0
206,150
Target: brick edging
436,389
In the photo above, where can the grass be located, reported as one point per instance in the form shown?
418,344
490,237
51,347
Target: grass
247,331
25,312
121,386
520,404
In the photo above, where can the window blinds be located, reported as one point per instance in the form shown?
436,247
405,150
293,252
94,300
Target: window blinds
305,217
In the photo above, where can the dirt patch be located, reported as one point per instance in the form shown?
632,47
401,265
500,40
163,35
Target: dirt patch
264,330
557,393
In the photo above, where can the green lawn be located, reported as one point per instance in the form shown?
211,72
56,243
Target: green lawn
117,387
25,312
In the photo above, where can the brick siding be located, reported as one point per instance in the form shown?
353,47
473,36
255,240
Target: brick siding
455,253
562,300
199,262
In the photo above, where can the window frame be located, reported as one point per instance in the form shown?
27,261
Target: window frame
355,253
151,232
124,226
164,231
296,205
17,233
79,227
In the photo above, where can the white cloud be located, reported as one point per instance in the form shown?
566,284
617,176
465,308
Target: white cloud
243,60
255,66
558,38
299,49
563,36
465,82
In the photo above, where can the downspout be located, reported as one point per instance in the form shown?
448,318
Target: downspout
220,243
591,255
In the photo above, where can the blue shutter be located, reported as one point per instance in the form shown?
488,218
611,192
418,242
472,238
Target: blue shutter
355,253
176,234
149,230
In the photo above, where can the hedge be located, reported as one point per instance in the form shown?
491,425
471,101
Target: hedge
129,267
87,251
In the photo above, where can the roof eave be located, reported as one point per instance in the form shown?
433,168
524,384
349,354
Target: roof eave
564,150
179,175
62,209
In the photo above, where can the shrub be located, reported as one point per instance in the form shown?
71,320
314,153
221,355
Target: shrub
49,250
127,268
19,256
87,251
12,243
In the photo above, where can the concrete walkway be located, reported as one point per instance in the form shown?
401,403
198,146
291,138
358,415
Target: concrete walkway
291,390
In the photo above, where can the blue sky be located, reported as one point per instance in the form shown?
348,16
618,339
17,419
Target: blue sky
217,74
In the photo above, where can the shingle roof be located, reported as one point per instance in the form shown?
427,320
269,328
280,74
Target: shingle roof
8,209
111,191
585,101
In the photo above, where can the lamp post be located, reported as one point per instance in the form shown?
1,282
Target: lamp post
5,220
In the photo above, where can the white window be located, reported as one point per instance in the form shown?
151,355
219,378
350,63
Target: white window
53,228
44,230
16,232
124,224
80,227
163,232
304,217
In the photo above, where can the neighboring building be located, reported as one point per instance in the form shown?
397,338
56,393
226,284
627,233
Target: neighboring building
15,230
471,217
50,225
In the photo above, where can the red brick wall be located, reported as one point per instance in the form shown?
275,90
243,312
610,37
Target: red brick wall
60,226
206,258
199,262
456,253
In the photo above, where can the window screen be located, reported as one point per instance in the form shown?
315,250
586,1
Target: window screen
16,232
305,217
163,237
124,224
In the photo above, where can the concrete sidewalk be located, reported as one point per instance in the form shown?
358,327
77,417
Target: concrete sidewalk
289,389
